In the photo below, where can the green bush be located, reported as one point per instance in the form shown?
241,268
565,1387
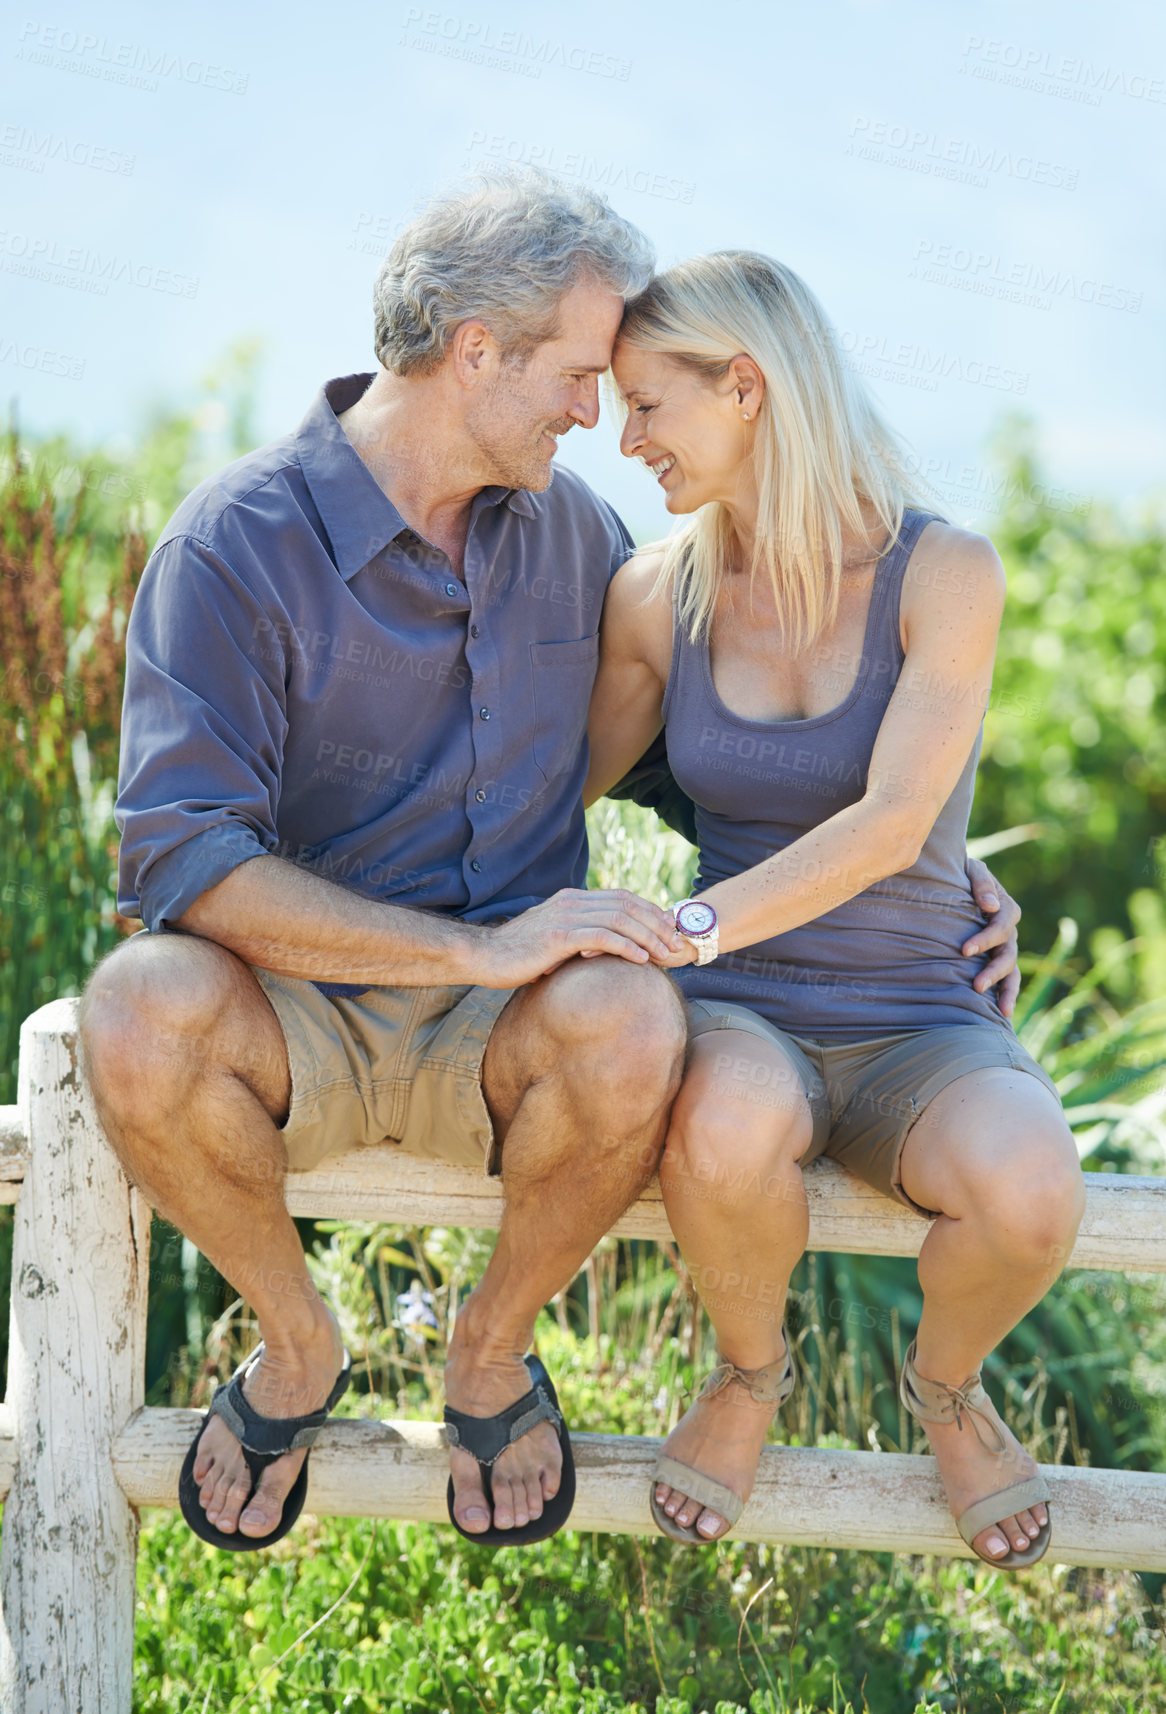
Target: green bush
1075,735
411,1619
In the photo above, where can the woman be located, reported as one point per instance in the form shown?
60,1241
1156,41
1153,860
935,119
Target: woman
819,650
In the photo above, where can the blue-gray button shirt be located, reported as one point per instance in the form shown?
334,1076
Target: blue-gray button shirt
306,677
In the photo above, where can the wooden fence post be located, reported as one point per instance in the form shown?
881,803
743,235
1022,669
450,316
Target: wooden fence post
80,1271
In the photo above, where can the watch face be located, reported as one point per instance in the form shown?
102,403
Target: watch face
695,918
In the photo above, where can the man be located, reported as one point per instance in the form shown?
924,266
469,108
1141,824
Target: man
358,670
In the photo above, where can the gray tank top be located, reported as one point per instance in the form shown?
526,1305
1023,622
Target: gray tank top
887,960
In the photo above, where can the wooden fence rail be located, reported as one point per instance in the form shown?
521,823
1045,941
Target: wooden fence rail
79,1454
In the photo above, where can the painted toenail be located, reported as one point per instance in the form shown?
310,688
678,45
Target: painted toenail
995,1545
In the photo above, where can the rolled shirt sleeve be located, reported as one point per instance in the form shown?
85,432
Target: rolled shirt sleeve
203,729
307,677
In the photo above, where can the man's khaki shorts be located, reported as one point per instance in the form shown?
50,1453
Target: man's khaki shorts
402,1064
865,1096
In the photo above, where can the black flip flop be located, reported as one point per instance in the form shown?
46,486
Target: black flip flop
263,1439
486,1437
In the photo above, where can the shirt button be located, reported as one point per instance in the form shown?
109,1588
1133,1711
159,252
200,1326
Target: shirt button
481,796
474,631
484,713
476,866
451,589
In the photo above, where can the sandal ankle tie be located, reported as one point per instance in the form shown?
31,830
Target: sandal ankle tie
936,1401
771,1384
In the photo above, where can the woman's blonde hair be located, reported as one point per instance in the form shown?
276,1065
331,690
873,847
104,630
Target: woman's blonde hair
820,446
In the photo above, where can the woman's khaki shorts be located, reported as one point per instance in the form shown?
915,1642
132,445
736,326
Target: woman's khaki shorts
864,1096
396,1064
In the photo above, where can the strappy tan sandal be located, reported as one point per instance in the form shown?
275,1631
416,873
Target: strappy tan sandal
771,1385
935,1401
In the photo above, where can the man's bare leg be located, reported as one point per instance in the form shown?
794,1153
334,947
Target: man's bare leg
189,1070
580,1074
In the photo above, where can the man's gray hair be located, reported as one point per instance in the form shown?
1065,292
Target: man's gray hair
503,251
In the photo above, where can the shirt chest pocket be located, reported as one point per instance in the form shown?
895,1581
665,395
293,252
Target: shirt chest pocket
562,675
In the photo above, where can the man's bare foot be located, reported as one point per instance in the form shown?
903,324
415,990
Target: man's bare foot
482,1381
970,1472
288,1380
721,1435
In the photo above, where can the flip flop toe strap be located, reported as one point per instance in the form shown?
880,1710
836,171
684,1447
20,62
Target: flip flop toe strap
701,1488
487,1437
269,1436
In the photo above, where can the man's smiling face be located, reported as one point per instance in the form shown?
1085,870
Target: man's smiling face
515,416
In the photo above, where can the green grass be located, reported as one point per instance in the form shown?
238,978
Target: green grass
411,1619
415,1620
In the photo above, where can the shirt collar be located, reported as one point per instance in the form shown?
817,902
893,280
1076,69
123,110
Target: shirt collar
358,515
518,499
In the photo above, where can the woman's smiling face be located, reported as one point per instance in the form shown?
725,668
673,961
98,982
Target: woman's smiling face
691,433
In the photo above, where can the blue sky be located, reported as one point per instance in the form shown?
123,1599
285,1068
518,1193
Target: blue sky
973,190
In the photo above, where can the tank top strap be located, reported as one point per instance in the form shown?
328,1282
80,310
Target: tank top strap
883,634
883,638
682,648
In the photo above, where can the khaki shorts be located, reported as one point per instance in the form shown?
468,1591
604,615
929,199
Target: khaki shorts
864,1096
396,1064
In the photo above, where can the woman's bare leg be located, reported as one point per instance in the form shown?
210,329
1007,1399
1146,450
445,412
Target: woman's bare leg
992,1151
737,1205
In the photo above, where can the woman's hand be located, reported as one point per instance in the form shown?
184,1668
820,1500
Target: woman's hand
1003,914
677,960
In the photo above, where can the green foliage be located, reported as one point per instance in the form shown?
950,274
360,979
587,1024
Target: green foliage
411,1619
631,848
1075,736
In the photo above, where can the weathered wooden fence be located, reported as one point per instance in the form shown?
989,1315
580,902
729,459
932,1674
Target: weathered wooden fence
79,1454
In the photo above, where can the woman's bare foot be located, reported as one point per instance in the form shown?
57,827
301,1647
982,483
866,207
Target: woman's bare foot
290,1379
971,1472
721,1435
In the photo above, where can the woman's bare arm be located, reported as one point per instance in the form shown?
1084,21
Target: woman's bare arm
635,644
922,746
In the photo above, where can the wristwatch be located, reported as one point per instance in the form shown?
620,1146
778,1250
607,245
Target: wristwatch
696,922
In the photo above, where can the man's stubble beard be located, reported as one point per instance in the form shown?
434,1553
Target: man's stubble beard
502,431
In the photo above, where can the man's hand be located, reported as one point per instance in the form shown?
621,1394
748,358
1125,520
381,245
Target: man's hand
1004,914
579,921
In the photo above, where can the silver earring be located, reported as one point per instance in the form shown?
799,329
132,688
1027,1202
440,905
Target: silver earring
744,416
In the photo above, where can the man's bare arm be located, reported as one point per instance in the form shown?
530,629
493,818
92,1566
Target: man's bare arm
283,918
